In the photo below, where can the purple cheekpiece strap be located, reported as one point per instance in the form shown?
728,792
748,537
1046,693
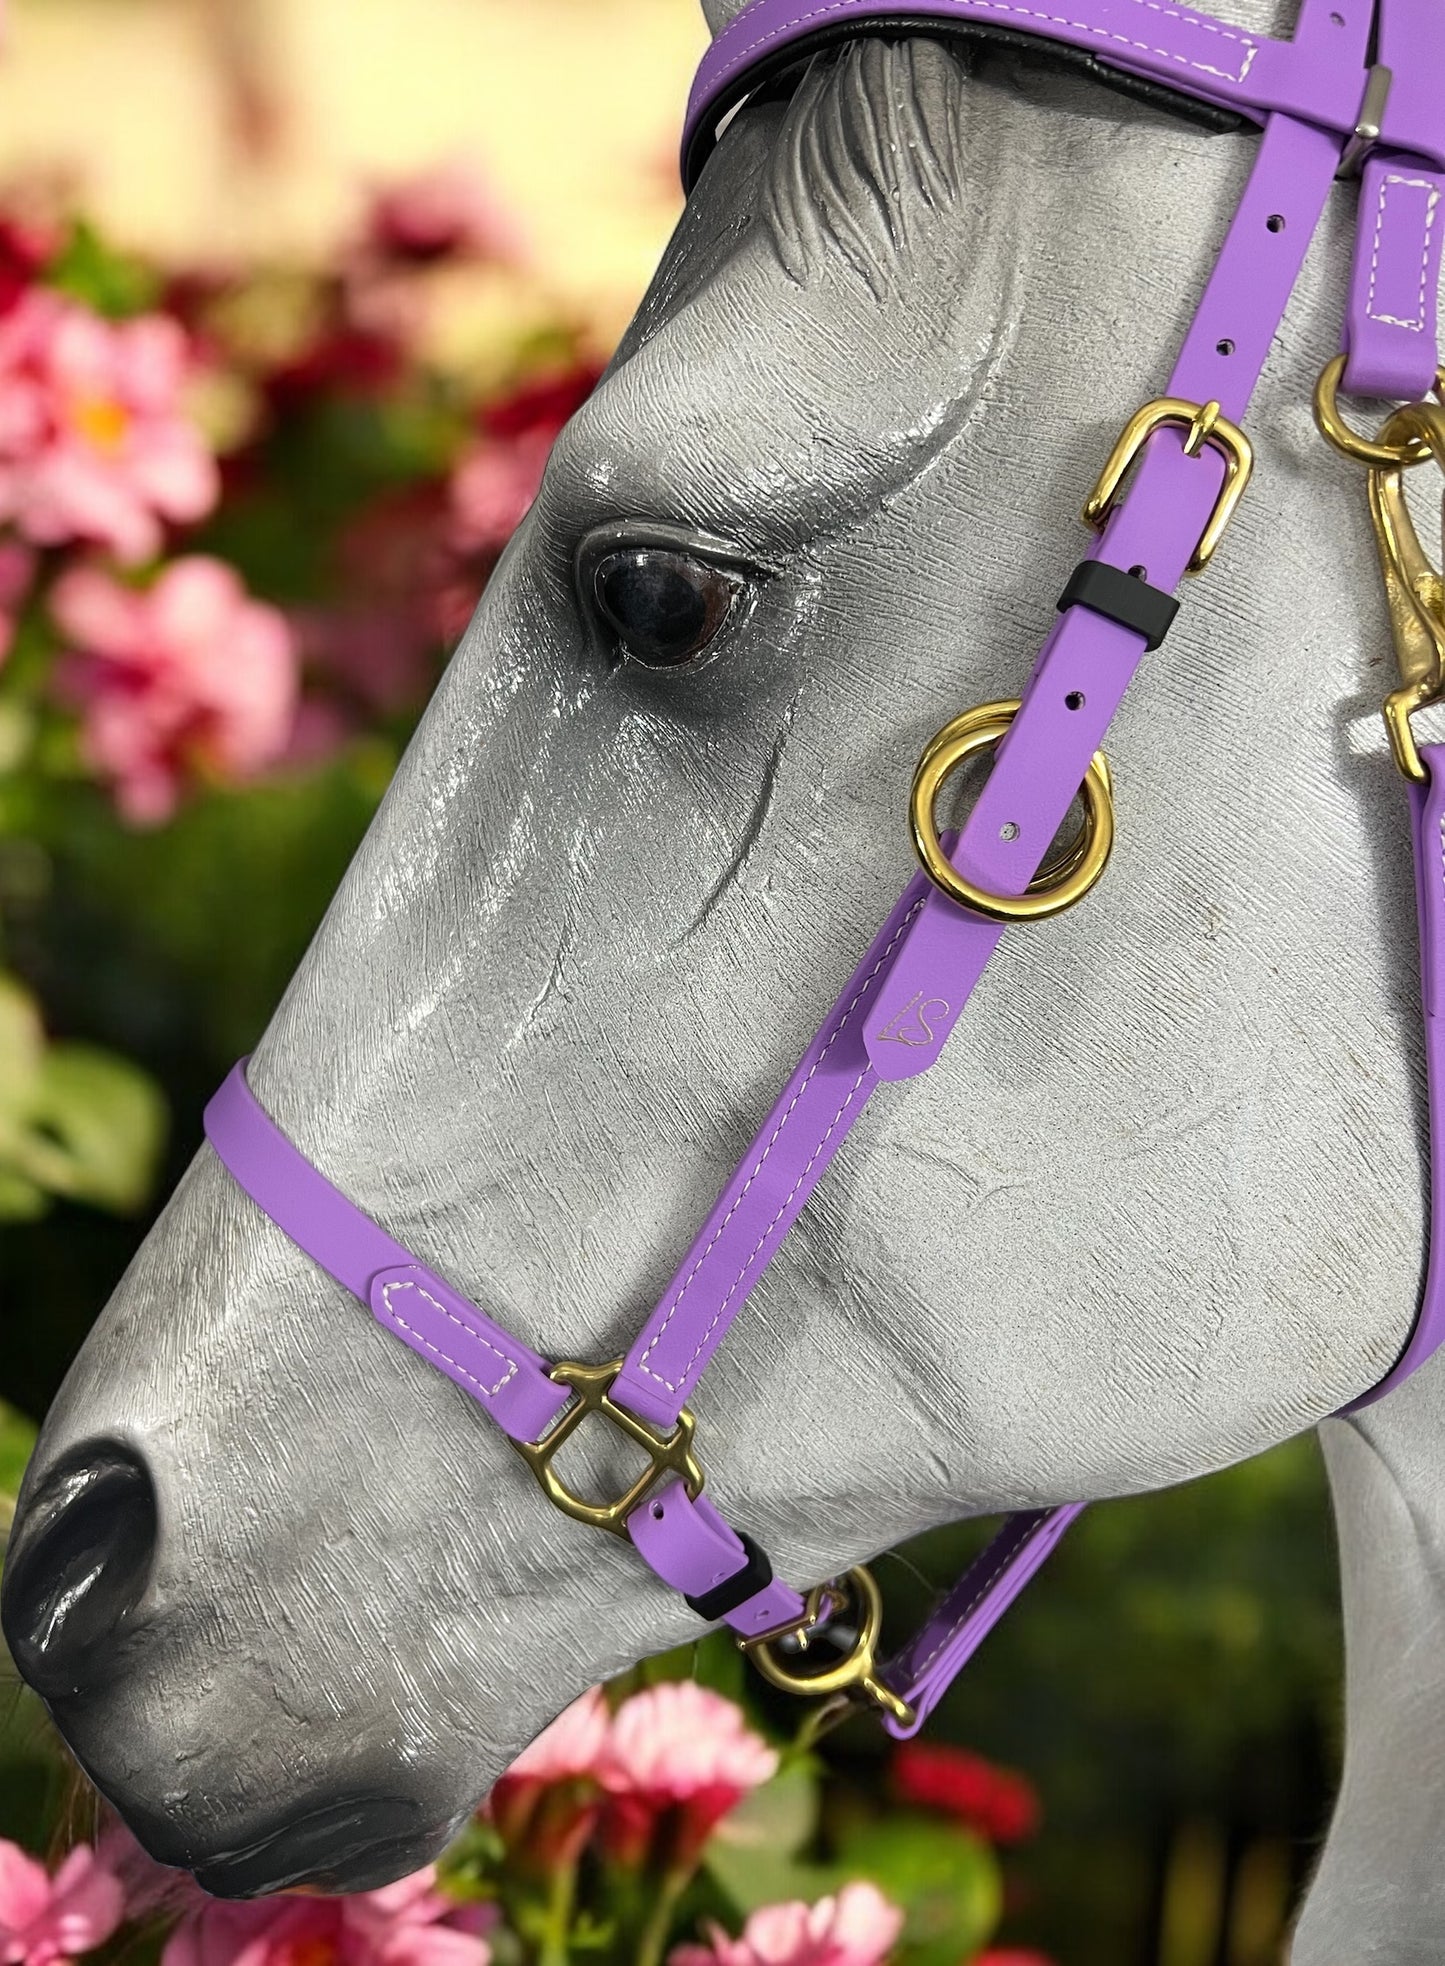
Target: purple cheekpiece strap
1316,99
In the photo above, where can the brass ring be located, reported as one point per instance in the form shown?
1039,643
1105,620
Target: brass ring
1054,889
1335,430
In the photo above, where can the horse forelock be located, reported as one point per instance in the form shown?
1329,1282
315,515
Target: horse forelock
869,153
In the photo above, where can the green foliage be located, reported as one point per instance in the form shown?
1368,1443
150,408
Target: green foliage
17,1441
75,1121
98,275
947,1882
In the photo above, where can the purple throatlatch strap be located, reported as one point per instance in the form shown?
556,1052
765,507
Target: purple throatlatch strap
895,1014
1427,820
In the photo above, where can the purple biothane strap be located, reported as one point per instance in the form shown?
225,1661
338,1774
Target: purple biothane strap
1317,77
1427,817
937,951
1390,334
892,1018
934,1657
505,1376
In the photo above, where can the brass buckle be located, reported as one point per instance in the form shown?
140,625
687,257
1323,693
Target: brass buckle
1414,587
854,1677
1205,425
1055,887
669,1453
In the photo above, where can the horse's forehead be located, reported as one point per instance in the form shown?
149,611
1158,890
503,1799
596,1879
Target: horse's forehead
773,444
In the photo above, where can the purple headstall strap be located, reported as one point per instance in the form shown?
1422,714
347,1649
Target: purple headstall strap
1323,108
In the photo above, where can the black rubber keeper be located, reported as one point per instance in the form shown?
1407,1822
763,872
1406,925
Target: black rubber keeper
755,1575
1121,597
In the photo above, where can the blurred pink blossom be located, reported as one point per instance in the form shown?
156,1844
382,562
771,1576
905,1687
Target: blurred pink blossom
545,1806
17,570
44,1918
443,213
677,1758
493,486
856,1928
571,1745
94,442
405,1924
190,678
498,478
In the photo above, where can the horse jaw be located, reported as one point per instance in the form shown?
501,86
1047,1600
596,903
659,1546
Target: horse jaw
594,922
1378,1896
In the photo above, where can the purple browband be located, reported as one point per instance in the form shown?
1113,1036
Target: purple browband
1318,103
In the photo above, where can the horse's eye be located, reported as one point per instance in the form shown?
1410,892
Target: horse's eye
664,607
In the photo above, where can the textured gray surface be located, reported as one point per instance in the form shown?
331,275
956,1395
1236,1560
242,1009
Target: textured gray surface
1160,1206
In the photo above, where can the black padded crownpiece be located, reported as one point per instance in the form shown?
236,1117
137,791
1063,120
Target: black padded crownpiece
1122,597
755,1575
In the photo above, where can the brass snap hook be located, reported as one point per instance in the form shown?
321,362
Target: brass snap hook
1414,587
1381,451
846,1613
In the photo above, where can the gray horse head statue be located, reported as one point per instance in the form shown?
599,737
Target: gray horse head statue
291,1599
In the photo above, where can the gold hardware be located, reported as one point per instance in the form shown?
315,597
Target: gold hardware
1203,424
1332,426
1414,587
853,1677
1055,887
669,1453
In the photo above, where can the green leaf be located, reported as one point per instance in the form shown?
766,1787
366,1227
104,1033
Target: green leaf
945,1881
754,1856
74,1120
100,277
17,1439
108,1122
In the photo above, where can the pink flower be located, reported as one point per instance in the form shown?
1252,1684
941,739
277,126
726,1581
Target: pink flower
94,444
406,1924
492,488
190,678
677,1759
44,1918
498,479
571,1745
446,212
17,570
856,1928
545,1806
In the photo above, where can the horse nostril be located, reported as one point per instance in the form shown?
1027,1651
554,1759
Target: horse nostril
79,1562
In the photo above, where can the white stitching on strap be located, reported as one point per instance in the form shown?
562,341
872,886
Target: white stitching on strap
1432,205
757,1169
387,1290
916,1673
1245,41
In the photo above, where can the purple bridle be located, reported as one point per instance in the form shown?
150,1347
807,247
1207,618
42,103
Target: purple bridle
1360,87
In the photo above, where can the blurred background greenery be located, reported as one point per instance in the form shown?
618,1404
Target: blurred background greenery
399,235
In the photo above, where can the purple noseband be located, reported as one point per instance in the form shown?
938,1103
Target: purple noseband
1322,102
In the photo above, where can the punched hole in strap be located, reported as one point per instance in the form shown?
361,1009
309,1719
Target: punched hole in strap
755,1575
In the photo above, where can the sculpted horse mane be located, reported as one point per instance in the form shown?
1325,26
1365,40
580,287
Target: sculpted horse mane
291,1600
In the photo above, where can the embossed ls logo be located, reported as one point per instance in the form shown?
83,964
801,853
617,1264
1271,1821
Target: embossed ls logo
911,1025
